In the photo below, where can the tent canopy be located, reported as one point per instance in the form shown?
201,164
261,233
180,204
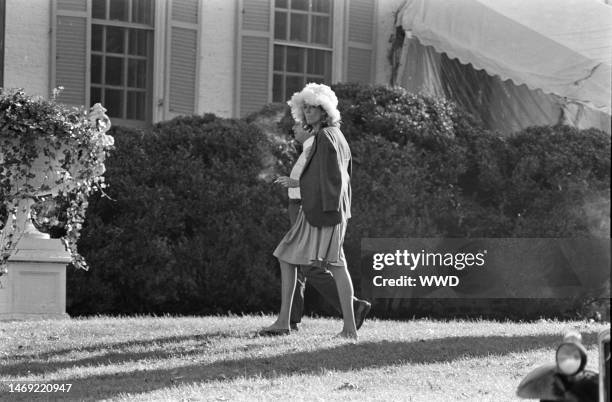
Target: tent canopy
563,47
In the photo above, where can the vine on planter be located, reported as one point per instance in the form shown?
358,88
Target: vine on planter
48,149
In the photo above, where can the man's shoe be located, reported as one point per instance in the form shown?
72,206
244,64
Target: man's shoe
361,311
273,332
293,326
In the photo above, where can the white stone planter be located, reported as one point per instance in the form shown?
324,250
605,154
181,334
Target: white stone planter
35,286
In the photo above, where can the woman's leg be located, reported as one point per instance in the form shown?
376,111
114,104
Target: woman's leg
288,278
345,292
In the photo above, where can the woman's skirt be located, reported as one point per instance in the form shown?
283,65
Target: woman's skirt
305,244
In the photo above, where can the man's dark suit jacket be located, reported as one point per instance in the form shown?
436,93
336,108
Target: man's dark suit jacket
325,181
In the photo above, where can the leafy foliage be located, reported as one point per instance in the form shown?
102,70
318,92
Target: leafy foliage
46,148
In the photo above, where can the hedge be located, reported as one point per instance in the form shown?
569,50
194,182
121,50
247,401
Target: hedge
417,178
188,226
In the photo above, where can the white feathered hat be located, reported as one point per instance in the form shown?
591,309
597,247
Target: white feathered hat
315,95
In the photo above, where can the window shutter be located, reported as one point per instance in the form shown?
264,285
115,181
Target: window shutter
359,52
255,52
183,64
70,50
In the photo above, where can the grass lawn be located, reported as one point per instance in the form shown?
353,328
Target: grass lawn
221,359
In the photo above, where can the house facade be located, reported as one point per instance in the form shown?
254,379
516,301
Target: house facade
151,60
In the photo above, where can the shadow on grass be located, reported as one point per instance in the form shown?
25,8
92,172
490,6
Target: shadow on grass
345,357
116,353
143,343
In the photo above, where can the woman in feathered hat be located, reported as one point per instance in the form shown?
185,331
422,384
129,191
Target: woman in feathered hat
318,233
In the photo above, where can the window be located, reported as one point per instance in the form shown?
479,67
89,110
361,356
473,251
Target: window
122,58
302,45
